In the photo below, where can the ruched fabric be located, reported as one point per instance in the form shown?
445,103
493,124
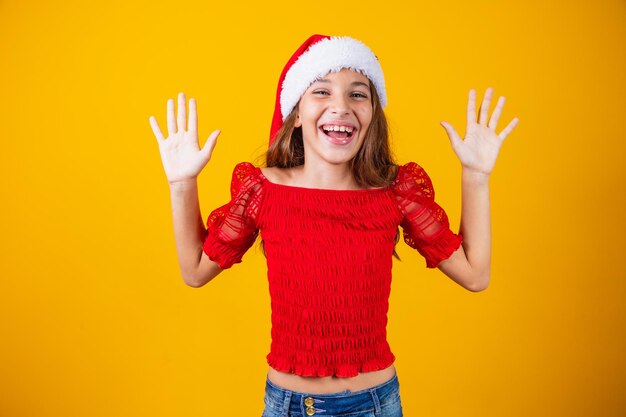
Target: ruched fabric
329,261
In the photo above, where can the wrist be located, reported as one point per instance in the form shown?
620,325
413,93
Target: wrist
183,184
473,175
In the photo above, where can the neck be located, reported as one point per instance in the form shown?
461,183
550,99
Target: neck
326,176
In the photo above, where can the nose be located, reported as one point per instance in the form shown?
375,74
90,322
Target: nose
340,105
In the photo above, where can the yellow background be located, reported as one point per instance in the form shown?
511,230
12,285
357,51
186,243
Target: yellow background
95,318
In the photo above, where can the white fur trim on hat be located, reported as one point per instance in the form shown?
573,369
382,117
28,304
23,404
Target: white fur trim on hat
326,55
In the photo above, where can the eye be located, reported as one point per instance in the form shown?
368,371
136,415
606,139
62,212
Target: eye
323,92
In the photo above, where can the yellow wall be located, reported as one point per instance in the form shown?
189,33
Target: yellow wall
95,318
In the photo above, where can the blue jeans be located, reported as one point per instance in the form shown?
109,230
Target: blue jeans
380,401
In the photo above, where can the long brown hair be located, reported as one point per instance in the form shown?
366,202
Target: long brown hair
372,166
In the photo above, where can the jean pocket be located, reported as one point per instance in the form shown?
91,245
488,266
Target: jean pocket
270,412
272,403
391,405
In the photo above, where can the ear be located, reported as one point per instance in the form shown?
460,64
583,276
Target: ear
298,122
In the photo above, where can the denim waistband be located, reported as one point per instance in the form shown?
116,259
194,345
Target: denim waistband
329,404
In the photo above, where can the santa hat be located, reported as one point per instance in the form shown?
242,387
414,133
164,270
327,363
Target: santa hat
316,57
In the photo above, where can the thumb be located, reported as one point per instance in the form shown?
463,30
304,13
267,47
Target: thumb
207,149
452,135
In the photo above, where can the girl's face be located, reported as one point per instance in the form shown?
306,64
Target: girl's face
340,100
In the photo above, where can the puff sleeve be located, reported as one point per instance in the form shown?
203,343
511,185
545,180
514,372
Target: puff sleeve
232,228
425,224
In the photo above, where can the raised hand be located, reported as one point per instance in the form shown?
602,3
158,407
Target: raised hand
181,155
479,149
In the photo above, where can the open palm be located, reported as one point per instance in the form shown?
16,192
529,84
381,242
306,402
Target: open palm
181,155
479,149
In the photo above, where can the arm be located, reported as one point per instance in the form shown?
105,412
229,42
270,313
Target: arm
470,264
195,266
183,160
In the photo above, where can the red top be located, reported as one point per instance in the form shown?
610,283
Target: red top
329,260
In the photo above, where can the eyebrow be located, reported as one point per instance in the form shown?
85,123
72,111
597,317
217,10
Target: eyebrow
355,83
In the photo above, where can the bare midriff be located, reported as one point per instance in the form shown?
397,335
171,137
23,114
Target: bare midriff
330,384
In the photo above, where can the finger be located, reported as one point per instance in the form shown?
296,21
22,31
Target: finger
454,137
155,128
496,113
193,116
484,107
182,113
505,132
471,107
208,147
171,121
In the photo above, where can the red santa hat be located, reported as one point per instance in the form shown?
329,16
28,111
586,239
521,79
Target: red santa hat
316,57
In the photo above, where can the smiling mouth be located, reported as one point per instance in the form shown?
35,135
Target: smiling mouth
338,137
338,134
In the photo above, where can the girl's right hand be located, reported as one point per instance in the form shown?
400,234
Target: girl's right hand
180,153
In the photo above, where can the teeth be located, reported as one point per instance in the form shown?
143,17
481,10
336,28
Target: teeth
338,128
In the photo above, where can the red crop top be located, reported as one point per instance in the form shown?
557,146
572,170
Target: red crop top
329,261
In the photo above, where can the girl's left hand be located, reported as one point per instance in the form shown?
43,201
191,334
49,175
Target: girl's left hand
479,149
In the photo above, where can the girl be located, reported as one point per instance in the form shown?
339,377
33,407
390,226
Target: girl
329,206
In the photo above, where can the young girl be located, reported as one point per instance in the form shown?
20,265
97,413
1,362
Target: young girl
329,206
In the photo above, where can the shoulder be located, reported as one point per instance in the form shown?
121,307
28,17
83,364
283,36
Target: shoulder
412,172
282,176
412,169
412,178
245,176
275,174
245,169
